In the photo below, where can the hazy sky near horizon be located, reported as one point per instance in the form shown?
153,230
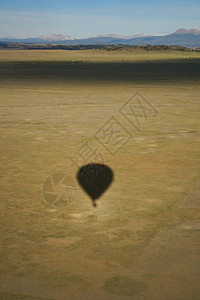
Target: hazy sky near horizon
85,18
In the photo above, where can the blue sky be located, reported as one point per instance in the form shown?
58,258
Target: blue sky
28,18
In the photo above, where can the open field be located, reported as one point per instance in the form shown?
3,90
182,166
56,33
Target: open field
142,240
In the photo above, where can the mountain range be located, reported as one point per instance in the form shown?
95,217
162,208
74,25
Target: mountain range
181,37
56,37
126,37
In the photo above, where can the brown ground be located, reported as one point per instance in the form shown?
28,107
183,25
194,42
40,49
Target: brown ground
142,240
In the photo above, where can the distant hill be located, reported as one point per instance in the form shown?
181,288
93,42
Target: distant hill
184,39
190,31
56,37
181,37
43,39
126,37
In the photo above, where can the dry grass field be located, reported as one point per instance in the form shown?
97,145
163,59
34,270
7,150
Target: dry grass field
142,240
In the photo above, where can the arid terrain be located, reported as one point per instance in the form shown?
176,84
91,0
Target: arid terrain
142,240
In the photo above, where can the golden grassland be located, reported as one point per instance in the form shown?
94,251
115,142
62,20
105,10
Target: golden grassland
142,241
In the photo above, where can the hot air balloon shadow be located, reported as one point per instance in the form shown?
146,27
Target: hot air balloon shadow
95,179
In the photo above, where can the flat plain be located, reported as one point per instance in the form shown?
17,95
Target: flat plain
142,240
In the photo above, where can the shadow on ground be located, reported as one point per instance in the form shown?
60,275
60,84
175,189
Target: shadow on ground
173,70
